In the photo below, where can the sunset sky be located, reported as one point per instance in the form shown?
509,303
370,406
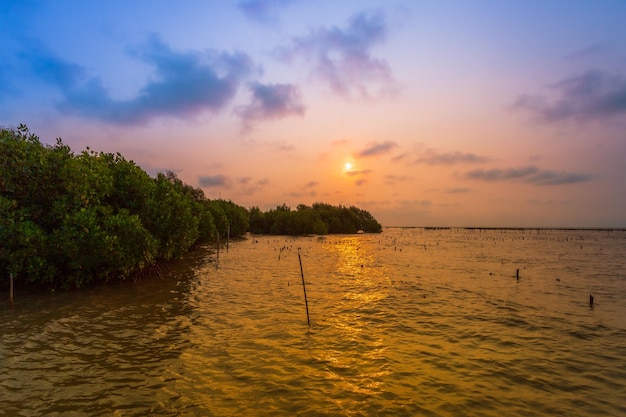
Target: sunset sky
425,113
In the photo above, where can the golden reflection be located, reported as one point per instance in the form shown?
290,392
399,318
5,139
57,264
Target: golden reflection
352,259
359,360
357,268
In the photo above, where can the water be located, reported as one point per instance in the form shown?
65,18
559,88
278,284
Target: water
410,322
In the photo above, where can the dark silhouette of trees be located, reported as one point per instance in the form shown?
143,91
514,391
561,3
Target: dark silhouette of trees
318,219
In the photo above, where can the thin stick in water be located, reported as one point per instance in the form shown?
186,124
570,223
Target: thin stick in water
11,290
306,303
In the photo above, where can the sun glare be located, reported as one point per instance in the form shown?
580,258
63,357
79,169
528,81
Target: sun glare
348,166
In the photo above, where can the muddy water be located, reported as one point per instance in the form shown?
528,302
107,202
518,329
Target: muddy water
409,322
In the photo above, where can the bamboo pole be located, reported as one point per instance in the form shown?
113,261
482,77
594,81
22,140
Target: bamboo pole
306,303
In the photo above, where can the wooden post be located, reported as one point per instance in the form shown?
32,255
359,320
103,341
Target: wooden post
517,274
306,303
11,290
591,300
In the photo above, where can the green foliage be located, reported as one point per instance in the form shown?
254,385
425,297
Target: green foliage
257,221
72,220
169,216
237,218
24,244
319,219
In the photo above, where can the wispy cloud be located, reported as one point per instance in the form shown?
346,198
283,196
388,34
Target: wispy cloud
271,101
393,179
537,202
457,190
307,190
433,157
185,84
214,181
359,175
529,174
341,57
591,50
262,11
400,157
377,149
593,95
356,172
250,187
411,204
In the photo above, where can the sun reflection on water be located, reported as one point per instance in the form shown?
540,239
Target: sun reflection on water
356,355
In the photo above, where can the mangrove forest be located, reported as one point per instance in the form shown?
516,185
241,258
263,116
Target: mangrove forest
71,220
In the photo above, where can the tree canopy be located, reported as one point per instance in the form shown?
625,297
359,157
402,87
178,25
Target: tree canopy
68,220
318,219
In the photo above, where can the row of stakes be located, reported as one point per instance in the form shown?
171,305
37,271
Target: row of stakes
303,285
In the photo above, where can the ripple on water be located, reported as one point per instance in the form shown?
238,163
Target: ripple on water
409,322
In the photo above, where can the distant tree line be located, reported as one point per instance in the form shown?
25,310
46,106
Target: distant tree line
318,219
72,220
69,220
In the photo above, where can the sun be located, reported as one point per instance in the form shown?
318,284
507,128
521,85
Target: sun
348,166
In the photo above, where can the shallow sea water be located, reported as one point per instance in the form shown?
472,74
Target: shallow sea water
410,322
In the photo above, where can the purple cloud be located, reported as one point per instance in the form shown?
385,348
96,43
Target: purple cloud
377,149
271,101
593,95
210,181
185,84
262,11
432,157
528,174
342,57
52,69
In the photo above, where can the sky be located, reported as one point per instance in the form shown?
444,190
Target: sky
478,113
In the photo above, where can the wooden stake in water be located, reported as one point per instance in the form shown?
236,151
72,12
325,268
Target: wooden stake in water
591,300
306,303
11,290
